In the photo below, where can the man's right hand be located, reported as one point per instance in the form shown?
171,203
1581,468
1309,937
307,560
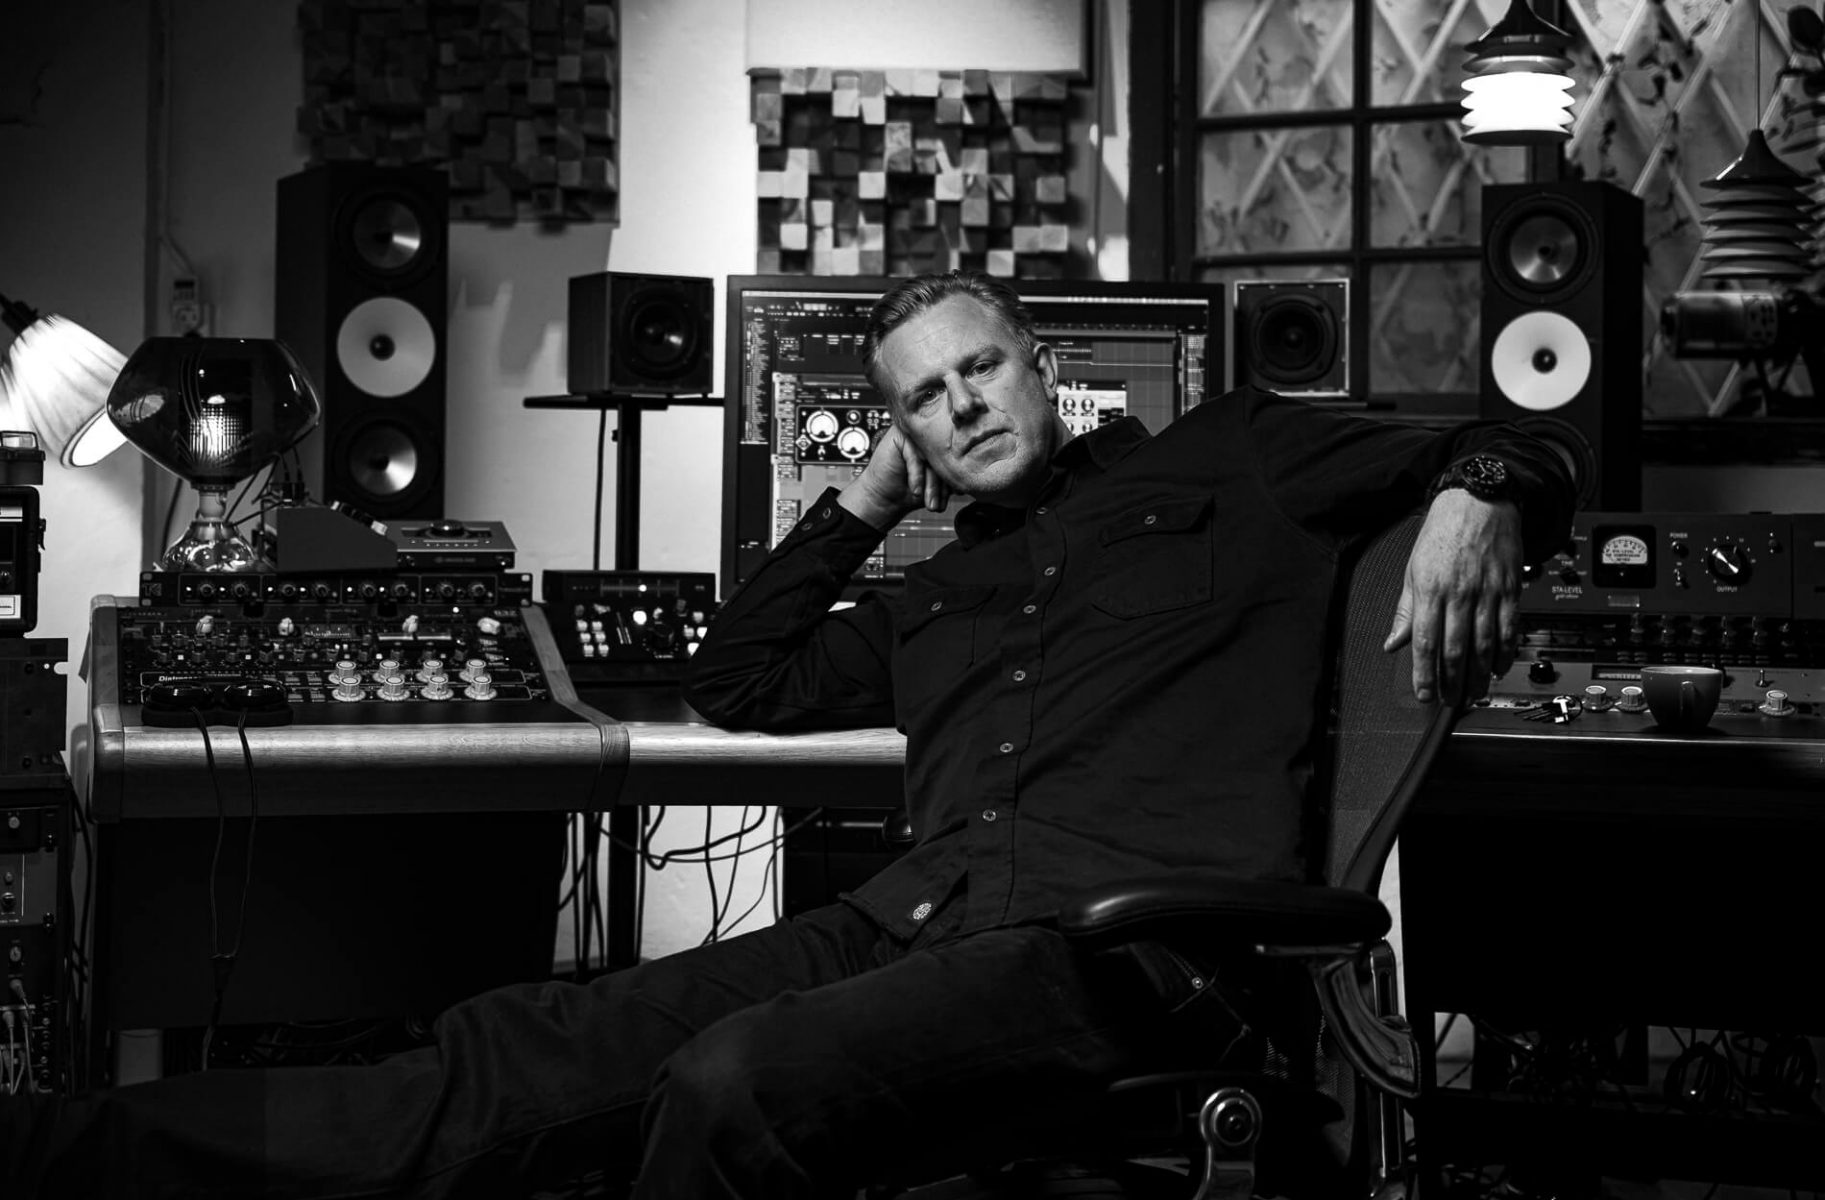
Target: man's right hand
895,482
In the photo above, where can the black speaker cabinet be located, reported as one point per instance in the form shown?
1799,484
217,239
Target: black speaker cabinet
1293,336
1562,350
363,287
641,334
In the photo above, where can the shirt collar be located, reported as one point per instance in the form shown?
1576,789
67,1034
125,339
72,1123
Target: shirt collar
1103,446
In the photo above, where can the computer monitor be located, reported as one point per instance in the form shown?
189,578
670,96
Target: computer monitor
801,417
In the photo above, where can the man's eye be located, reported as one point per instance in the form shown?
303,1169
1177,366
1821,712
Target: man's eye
983,367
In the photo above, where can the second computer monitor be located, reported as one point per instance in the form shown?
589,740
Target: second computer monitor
801,417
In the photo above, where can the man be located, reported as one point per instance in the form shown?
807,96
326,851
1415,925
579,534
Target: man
1114,669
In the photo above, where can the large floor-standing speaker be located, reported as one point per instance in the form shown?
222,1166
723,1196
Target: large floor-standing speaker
1562,350
363,284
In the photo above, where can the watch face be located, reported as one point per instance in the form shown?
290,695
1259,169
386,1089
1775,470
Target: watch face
1486,474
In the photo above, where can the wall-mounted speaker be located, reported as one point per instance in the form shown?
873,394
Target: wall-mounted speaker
363,289
641,334
1562,352
1293,336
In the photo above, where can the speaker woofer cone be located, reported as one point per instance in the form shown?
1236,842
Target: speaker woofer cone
383,460
387,235
1293,339
1541,249
659,334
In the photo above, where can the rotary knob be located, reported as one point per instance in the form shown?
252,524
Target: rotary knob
472,668
393,687
436,689
430,668
1774,704
348,689
481,686
1729,561
1632,700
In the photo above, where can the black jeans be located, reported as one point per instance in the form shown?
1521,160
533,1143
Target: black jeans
801,1060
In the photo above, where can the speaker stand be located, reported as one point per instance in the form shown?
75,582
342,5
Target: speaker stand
629,409
624,821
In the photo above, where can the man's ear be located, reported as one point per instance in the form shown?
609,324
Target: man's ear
1047,365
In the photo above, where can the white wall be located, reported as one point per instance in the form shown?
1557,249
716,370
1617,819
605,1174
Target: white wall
1002,35
72,241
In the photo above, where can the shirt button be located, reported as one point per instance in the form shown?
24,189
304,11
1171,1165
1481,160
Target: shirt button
1151,518
1041,510
1051,570
989,814
937,604
1030,609
1019,676
1006,747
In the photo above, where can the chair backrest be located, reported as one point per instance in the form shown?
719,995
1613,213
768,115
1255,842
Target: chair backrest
1384,740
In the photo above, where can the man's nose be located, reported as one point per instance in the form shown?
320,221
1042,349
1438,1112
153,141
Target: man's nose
966,401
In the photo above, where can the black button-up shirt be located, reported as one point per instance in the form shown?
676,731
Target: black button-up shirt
1121,677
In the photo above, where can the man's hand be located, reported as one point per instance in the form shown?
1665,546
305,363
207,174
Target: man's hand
1458,606
895,482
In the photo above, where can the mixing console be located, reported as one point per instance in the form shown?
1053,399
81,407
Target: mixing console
1744,592
401,649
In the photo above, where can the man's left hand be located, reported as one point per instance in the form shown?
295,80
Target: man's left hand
1459,604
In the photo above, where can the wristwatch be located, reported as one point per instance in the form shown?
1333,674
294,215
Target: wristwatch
1484,477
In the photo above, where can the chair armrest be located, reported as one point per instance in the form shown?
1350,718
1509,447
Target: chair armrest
1216,909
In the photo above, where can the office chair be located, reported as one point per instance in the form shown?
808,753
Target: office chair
1324,1111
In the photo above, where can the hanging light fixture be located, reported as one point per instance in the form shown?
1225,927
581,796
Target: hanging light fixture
1518,91
1758,221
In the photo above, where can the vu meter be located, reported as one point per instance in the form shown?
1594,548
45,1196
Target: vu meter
1622,556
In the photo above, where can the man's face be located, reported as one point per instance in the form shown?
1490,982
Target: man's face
976,407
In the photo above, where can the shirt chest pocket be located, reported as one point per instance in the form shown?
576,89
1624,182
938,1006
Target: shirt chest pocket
1154,558
938,638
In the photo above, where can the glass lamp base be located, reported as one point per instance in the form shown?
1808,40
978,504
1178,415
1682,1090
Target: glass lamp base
214,547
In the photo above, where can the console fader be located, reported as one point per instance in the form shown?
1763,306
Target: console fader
1743,592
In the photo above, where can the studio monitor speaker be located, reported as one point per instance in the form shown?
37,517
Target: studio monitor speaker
363,287
1293,336
1561,330
641,334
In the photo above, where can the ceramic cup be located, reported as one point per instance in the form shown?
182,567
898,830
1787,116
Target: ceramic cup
1682,699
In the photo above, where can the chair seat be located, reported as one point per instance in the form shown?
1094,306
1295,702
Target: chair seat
1214,909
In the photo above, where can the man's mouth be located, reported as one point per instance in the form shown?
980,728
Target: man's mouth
970,446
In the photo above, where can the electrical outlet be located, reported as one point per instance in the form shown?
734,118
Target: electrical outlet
189,314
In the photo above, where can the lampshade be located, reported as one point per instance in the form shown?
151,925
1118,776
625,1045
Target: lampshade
1518,92
213,411
1759,218
54,380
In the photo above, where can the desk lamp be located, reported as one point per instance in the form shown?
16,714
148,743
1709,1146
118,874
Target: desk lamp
56,377
213,411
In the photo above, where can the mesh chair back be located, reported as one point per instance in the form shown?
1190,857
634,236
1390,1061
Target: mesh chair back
1385,739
